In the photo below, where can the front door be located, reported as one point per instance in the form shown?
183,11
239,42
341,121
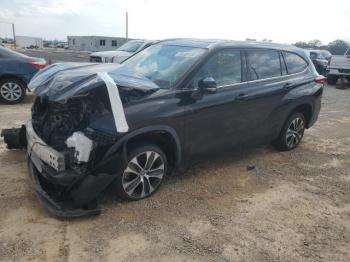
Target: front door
211,119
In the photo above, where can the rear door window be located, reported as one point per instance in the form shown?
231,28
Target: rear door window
264,64
295,63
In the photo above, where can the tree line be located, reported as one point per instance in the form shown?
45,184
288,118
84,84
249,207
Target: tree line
336,47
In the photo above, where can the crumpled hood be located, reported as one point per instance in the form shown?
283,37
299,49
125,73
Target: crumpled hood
63,80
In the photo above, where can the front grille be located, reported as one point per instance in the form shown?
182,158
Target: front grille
95,59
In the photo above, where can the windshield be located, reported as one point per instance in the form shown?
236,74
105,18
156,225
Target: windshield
164,64
131,46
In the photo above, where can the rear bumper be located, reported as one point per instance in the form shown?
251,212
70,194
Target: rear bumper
316,108
338,71
26,78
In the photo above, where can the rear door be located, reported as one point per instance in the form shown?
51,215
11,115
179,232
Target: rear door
268,84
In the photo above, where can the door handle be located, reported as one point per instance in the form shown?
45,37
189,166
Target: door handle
242,97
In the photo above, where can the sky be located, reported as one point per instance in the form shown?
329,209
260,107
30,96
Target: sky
279,20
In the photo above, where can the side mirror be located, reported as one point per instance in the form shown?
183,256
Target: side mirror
207,84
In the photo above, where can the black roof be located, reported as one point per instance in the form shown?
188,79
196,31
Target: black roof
217,43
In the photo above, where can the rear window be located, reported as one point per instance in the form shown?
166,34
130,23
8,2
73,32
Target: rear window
264,64
295,63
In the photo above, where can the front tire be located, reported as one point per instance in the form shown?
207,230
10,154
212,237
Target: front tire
12,91
292,132
146,168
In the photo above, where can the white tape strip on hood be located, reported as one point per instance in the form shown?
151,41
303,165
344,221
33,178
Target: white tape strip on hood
116,103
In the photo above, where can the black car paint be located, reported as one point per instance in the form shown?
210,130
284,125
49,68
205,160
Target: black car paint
196,122
193,119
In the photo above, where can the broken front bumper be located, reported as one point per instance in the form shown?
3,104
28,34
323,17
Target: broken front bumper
38,151
55,207
63,191
47,169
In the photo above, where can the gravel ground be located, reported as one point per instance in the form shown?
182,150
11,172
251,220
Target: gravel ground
57,55
293,206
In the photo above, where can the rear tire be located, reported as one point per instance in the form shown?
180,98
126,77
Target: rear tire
12,91
332,79
292,132
146,168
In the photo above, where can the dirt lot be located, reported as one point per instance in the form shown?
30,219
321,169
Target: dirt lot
294,206
57,55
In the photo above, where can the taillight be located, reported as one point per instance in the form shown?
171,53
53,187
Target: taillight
320,79
37,64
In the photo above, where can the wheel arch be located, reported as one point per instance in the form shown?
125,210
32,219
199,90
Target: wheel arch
163,136
306,109
9,76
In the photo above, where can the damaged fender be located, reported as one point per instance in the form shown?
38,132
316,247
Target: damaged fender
77,116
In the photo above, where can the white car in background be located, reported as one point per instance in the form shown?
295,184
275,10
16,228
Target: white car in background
128,49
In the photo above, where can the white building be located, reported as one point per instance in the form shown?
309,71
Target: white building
94,43
29,41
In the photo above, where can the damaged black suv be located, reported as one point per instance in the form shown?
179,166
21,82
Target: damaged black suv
130,124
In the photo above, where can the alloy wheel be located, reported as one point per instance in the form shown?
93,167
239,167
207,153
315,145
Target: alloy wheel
143,174
295,132
11,91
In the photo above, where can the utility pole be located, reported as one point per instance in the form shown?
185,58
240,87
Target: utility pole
14,35
127,26
13,31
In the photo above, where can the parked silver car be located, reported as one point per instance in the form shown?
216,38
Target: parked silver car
339,68
122,53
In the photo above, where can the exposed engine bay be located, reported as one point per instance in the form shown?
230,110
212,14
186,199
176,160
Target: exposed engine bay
54,122
73,128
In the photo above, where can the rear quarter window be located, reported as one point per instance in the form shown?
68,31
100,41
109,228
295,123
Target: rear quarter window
295,63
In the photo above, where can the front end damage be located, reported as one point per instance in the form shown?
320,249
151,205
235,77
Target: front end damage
76,118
